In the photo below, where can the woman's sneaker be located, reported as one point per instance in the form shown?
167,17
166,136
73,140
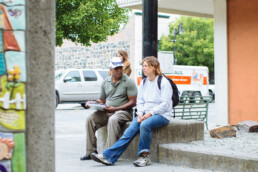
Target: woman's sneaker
99,158
142,161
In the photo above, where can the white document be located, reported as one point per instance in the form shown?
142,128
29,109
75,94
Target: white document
96,106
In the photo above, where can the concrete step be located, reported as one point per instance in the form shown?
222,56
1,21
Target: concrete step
177,131
209,158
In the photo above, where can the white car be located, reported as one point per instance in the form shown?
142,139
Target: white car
78,85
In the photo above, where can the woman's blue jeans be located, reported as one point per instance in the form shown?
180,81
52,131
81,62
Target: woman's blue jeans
144,128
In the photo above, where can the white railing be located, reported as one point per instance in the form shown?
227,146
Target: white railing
128,2
18,101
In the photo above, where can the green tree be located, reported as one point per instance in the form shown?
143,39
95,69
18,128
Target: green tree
86,21
195,46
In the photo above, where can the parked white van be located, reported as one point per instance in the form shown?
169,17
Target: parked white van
78,85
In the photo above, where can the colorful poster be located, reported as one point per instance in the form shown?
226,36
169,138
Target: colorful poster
12,86
13,69
19,155
2,65
12,152
13,2
16,66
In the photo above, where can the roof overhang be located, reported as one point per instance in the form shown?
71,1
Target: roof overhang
198,8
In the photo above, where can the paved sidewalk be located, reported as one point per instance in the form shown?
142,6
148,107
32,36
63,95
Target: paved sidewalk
70,146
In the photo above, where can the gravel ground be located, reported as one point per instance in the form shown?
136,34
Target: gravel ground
244,143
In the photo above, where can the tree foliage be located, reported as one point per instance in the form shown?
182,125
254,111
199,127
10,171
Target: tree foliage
195,46
86,21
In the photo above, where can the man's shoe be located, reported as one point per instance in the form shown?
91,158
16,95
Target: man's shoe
142,161
99,158
87,157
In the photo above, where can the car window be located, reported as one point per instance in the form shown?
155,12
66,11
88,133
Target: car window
58,74
103,73
75,75
89,75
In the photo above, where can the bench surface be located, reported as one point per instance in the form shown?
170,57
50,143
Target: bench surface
193,108
177,131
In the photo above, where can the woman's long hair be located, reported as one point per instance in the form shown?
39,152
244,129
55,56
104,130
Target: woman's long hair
124,54
153,61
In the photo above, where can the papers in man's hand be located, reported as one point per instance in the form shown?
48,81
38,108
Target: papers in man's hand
97,106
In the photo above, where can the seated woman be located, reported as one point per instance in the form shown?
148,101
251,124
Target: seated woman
154,109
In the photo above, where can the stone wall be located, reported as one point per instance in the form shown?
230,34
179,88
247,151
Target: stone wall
72,55
96,56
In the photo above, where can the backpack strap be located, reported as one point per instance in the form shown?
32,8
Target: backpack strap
144,80
159,81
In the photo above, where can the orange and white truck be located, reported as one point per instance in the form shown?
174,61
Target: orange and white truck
190,80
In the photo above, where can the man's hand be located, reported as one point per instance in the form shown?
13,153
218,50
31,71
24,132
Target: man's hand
110,109
92,101
88,102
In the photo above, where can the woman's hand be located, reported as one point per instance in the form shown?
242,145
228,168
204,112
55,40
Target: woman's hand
147,115
139,118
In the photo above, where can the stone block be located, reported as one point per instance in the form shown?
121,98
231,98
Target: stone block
248,126
177,131
223,132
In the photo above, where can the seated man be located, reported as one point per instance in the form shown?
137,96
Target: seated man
118,92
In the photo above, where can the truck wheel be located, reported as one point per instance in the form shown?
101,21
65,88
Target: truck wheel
83,105
184,98
57,100
197,97
211,95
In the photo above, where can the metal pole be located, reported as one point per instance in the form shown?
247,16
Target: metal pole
150,28
175,60
179,30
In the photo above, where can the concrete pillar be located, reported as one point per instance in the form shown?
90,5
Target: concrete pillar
221,61
150,28
40,113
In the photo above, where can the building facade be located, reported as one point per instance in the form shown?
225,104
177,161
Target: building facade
235,41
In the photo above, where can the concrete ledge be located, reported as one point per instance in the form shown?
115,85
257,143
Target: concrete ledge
177,131
210,159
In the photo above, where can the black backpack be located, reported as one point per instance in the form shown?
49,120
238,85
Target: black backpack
175,96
